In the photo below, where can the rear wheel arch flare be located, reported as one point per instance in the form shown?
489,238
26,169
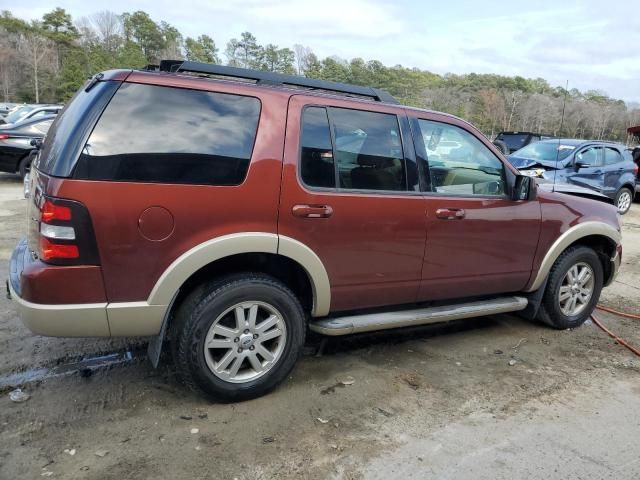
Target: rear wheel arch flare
205,255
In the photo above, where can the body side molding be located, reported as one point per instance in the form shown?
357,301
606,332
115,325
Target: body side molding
572,235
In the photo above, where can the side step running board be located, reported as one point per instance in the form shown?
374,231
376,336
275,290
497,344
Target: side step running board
421,316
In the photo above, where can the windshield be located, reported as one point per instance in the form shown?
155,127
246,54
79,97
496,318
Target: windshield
18,114
549,152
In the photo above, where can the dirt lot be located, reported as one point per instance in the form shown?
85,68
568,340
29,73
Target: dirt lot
436,402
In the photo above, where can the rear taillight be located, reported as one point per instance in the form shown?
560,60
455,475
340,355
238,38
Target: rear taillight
66,233
3,136
635,169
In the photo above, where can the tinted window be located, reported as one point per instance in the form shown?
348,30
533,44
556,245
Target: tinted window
172,135
316,157
514,141
368,150
611,156
72,126
459,163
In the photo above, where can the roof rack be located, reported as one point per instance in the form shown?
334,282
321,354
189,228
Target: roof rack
271,78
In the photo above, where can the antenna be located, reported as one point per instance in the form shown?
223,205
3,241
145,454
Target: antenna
564,104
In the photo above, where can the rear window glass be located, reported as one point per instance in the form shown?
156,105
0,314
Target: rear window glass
514,140
172,135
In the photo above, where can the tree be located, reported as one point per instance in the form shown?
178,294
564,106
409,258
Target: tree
145,33
303,56
109,29
37,52
244,53
276,59
201,49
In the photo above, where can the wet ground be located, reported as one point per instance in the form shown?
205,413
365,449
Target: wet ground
435,402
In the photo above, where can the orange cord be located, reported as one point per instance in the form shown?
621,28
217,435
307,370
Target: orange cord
609,332
616,312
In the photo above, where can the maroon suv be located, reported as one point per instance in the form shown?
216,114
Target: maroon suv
227,216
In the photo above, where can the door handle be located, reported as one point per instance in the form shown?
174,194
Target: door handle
312,211
450,213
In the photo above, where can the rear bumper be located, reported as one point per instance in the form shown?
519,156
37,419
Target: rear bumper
98,319
65,320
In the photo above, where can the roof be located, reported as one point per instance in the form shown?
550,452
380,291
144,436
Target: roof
577,141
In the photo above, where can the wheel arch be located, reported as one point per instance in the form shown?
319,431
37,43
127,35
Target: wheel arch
280,256
600,236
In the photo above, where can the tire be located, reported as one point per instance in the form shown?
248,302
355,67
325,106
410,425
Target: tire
551,309
25,166
501,146
624,199
210,317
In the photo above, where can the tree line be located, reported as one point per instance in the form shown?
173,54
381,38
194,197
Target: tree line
47,60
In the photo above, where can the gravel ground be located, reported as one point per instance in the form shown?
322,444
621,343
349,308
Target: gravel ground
434,402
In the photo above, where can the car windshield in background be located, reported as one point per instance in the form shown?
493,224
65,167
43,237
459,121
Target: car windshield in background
18,114
514,141
549,152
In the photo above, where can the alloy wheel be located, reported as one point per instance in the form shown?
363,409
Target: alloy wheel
624,201
576,289
245,341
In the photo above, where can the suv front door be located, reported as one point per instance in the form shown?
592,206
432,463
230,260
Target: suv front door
591,175
350,193
479,241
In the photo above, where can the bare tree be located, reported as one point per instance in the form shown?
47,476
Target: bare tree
37,52
303,55
9,68
109,27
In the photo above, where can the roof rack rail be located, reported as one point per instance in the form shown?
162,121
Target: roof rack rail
271,78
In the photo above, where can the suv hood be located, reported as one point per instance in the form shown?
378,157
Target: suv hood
575,190
523,162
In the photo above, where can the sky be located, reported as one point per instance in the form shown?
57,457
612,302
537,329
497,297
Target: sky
592,44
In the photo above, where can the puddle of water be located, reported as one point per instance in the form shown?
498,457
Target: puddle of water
87,364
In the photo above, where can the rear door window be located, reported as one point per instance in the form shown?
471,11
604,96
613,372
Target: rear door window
368,150
352,150
160,134
611,156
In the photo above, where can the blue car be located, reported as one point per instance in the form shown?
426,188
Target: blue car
604,167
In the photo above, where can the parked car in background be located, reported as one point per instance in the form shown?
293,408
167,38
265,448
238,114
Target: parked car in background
5,109
229,217
16,143
27,112
605,167
509,142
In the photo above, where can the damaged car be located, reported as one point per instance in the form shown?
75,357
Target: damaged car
603,167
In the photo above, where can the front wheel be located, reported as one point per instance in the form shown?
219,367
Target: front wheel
573,289
624,198
240,338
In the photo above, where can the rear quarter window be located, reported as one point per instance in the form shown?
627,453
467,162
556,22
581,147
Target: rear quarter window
161,134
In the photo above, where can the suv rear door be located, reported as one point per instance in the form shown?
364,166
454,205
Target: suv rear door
479,241
350,193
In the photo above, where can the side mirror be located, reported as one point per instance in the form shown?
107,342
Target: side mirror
582,164
524,188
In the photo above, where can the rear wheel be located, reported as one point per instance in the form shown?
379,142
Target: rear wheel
240,339
573,289
624,198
